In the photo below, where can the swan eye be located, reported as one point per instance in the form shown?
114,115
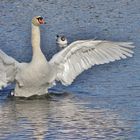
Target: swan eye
40,18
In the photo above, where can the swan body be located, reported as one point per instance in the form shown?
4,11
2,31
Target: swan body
36,77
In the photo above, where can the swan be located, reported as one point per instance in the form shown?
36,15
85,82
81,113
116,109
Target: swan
35,77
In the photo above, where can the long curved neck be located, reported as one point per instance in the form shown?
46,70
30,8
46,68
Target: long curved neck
35,37
36,42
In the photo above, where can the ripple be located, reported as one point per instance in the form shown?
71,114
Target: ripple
62,118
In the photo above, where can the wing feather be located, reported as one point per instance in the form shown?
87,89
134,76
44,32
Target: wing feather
83,54
8,67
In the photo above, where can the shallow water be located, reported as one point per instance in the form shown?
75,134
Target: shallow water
103,102
66,116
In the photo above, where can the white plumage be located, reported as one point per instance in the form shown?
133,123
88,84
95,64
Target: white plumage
8,67
39,75
81,55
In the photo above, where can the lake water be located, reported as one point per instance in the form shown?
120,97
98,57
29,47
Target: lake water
103,103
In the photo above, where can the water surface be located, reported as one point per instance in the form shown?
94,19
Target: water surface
103,102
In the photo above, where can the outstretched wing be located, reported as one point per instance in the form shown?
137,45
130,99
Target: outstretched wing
81,55
8,67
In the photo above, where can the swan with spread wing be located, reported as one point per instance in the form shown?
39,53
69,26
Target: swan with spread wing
36,77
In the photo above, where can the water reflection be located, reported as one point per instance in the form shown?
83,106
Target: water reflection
58,118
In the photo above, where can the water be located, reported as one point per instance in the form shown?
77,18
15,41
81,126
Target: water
64,117
103,102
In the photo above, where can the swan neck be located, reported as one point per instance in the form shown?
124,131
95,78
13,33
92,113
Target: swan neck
35,37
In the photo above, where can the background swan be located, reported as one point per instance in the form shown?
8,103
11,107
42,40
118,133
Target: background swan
39,75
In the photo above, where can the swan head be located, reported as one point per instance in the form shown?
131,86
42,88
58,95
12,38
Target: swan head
38,20
61,40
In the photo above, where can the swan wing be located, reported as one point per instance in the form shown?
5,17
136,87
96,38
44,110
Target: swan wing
8,68
81,55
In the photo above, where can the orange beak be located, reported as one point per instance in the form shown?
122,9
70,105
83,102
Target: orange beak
41,21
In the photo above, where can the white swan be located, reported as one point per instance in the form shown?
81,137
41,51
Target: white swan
39,75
